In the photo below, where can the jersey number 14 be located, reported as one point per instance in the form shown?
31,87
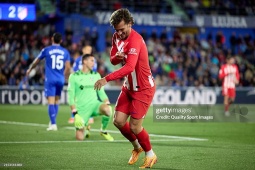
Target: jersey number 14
57,62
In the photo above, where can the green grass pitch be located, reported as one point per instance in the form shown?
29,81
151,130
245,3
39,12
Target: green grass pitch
24,140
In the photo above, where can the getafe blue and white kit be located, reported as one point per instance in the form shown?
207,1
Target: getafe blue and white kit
77,65
55,58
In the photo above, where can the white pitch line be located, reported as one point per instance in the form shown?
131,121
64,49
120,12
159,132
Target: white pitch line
111,131
151,135
23,123
85,141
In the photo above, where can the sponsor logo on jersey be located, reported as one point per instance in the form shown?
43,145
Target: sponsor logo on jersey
81,87
91,78
132,51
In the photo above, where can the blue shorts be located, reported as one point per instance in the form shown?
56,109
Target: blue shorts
53,88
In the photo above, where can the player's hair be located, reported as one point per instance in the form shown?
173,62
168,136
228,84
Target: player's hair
57,37
229,57
86,56
121,14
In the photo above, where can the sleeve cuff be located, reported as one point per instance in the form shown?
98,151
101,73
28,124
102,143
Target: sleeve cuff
107,78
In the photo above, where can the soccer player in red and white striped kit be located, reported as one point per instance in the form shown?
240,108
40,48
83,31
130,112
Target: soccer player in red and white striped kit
129,49
229,73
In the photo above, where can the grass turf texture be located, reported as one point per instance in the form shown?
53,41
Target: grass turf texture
228,145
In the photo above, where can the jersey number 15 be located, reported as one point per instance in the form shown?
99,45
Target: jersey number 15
57,62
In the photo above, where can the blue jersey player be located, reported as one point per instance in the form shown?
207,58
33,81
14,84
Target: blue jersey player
57,70
77,65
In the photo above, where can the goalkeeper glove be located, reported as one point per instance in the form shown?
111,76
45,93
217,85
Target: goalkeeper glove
78,120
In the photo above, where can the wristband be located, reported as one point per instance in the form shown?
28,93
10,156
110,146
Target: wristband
74,111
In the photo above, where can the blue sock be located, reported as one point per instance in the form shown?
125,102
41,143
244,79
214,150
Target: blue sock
52,113
56,109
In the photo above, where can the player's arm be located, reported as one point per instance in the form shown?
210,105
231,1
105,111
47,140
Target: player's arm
103,96
67,69
130,64
114,54
78,122
237,75
67,66
35,62
222,73
71,91
33,65
101,93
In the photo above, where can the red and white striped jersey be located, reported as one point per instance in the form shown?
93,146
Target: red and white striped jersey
135,67
229,74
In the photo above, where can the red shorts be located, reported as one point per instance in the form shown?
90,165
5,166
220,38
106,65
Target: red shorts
230,92
135,104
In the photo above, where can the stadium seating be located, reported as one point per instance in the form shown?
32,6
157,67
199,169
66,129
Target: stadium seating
178,60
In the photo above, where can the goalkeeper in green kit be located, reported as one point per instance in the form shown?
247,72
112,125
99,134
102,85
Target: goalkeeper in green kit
83,99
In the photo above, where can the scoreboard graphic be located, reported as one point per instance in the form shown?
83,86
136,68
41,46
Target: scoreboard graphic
17,12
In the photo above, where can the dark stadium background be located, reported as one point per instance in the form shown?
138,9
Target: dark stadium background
187,40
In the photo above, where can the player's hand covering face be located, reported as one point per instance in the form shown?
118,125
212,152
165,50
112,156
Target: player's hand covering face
120,55
123,30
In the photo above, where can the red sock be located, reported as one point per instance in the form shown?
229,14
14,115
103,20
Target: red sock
144,140
126,132
226,107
